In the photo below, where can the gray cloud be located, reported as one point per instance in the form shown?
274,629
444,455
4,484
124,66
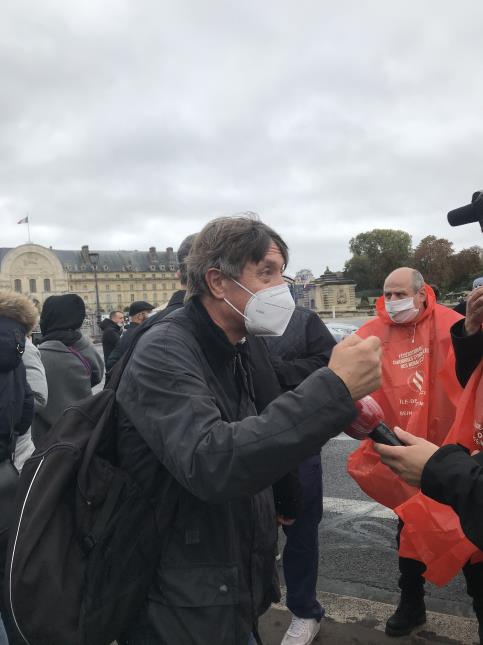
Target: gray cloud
127,124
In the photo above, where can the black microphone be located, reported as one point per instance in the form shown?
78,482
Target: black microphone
468,214
369,424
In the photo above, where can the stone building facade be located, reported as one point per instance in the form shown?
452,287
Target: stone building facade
333,293
122,276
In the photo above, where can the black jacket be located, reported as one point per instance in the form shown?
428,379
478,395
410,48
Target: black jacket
111,333
189,393
452,476
175,302
468,351
16,398
455,478
305,346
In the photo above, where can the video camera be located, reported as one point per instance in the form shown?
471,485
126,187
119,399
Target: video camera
470,213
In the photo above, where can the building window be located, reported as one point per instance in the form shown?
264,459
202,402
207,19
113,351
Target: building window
107,287
47,285
153,275
85,287
119,298
132,297
119,287
86,298
18,286
117,276
33,285
132,287
173,285
163,275
153,286
130,275
164,286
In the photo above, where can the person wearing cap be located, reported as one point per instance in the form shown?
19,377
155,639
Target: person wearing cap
72,364
138,312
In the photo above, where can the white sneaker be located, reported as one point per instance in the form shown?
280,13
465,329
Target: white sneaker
302,631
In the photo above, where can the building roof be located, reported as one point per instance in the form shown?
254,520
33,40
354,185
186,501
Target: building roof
136,261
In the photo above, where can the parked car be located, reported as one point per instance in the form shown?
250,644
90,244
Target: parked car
340,330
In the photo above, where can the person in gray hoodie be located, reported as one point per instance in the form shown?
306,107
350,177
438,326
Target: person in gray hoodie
72,364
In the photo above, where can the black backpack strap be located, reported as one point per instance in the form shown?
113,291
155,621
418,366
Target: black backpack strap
117,370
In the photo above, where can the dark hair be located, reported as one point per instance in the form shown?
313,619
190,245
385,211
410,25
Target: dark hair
228,243
183,252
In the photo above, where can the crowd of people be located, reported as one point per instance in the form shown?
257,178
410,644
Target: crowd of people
226,398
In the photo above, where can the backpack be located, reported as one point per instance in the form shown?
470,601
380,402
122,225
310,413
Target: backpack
85,540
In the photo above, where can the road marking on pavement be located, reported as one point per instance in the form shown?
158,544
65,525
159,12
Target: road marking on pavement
357,507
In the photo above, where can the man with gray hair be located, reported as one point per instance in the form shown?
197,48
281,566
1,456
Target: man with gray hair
419,394
189,431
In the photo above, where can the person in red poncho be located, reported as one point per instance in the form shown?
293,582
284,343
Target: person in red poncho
419,394
452,535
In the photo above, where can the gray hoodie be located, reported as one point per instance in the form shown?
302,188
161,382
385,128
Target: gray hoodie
69,379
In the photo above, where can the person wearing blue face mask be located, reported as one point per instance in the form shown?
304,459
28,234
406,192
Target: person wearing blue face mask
189,430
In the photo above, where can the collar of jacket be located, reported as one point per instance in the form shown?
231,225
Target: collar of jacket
107,322
212,338
177,298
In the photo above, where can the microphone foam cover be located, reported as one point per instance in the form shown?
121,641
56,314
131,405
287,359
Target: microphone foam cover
370,414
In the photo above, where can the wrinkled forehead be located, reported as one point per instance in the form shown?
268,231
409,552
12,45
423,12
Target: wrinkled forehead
401,283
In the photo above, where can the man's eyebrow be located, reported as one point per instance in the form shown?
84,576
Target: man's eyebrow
271,263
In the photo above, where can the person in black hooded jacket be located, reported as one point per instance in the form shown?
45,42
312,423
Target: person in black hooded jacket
18,316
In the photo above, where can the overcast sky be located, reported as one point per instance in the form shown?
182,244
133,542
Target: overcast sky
129,124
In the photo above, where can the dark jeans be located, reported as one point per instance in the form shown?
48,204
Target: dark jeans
301,553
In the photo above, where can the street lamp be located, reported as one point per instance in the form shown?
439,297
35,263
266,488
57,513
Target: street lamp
94,258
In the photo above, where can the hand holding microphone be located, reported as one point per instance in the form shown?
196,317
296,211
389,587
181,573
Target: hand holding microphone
369,424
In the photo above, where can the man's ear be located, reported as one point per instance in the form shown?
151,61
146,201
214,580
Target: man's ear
423,294
215,281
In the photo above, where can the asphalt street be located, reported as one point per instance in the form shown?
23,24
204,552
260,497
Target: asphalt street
357,542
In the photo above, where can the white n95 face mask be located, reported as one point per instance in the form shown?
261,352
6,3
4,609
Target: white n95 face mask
401,311
268,311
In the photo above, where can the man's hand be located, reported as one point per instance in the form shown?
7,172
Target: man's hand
474,311
282,520
358,363
407,461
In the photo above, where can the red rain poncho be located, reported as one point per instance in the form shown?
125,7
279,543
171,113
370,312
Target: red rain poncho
432,532
419,391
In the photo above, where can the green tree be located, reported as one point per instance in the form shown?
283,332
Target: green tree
465,267
432,257
375,254
358,268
